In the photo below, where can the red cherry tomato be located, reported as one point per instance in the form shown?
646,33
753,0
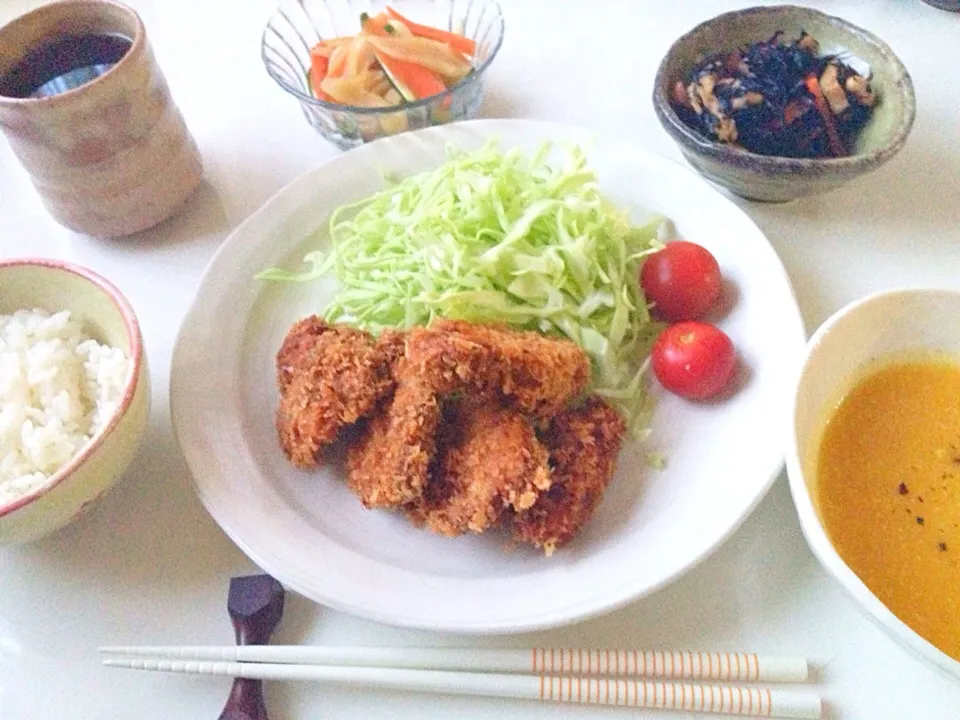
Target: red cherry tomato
693,359
682,281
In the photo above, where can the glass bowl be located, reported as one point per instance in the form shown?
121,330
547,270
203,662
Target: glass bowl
297,25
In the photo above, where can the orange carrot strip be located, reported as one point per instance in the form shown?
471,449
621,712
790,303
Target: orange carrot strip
319,65
420,81
791,112
820,102
454,40
433,54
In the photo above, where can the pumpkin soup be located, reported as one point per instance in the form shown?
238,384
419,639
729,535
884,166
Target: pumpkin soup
888,491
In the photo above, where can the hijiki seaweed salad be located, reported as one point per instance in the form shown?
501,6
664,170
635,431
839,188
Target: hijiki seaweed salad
777,98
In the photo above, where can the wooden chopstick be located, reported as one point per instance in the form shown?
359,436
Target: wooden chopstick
721,699
722,666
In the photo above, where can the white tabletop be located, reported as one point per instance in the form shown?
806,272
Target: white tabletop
150,566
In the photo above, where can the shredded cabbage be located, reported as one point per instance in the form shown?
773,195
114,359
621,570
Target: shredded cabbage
505,237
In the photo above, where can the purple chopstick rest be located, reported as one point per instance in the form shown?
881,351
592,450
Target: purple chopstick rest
255,603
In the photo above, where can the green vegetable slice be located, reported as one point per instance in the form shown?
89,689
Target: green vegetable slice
500,236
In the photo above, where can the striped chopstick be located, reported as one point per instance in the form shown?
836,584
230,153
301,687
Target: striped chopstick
720,699
701,666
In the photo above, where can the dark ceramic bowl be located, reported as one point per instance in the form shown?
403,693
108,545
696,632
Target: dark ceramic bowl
953,5
778,179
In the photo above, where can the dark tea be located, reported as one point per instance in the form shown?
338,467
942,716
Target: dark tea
62,64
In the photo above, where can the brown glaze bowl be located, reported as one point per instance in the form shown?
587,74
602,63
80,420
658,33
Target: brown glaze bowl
951,5
779,179
112,156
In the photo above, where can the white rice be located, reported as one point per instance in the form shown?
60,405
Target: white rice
58,389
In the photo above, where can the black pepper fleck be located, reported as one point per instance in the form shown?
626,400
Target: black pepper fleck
919,520
902,489
942,547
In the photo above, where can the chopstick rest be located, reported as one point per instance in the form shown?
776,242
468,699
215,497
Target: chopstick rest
255,604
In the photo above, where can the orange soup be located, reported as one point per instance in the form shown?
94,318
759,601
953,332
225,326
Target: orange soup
888,491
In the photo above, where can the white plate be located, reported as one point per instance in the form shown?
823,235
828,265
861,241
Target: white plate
312,534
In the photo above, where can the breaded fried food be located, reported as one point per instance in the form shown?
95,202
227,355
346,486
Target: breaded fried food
489,459
297,348
533,374
329,377
392,344
584,442
388,464
450,362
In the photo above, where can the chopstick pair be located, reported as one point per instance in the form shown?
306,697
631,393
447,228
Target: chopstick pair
633,678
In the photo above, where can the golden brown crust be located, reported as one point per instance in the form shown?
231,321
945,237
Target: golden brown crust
392,344
584,443
389,463
532,374
446,422
489,460
450,363
330,377
296,349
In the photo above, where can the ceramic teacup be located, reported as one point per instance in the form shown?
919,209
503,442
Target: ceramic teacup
103,142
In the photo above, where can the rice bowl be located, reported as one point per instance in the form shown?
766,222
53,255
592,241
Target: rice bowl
68,439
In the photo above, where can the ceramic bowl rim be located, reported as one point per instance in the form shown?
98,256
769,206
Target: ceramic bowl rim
137,45
310,100
810,524
132,328
693,141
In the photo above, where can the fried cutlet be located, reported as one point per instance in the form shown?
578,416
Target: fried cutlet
296,350
392,344
450,362
329,377
584,442
488,460
388,464
532,374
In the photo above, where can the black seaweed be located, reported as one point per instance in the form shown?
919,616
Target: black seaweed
761,91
